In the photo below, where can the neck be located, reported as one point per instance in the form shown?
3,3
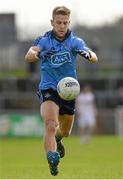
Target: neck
59,38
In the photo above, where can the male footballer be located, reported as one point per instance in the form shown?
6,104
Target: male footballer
57,50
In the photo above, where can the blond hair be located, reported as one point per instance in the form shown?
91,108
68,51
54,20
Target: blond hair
62,10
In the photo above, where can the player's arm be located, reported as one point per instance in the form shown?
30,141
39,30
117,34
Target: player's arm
89,55
83,50
32,54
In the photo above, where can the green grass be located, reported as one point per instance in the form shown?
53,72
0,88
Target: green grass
102,158
20,74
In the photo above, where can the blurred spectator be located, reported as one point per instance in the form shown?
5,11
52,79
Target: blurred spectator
86,113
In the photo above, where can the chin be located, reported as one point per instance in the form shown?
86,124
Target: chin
60,35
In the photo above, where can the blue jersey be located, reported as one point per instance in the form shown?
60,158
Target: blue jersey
58,58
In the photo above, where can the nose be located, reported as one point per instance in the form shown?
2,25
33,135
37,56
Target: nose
62,25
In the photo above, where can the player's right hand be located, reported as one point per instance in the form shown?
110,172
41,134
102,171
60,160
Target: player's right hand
32,54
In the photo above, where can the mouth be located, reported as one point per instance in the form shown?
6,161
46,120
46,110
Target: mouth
62,32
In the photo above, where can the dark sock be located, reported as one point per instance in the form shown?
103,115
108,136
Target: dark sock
58,138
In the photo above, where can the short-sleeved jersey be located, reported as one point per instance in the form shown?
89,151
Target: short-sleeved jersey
58,58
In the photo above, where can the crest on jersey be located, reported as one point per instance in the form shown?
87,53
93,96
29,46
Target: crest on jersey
60,58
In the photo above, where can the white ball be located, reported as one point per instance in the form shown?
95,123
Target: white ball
68,88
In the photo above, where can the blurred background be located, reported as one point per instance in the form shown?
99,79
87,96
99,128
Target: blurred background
99,23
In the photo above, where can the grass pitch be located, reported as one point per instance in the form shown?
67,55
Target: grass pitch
23,158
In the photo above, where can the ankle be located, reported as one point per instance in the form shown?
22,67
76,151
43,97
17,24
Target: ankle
53,156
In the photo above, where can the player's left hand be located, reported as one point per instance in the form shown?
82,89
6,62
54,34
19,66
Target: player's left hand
93,57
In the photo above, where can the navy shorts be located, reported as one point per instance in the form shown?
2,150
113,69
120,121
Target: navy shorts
65,107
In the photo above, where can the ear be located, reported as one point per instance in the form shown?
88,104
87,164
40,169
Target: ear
51,21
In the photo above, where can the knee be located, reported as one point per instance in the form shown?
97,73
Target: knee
51,125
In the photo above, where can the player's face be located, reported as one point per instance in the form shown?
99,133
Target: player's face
60,25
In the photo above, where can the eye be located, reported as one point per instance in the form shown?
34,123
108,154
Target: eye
65,23
59,22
